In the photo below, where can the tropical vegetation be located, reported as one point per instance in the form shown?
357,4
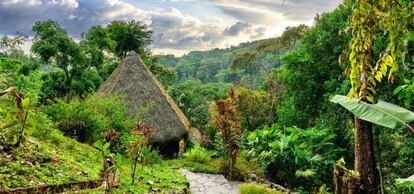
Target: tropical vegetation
310,110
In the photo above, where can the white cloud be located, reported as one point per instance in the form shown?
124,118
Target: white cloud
252,19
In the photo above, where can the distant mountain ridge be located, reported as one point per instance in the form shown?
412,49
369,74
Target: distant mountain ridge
213,65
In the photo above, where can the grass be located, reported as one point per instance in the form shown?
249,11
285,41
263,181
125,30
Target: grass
214,166
156,178
159,178
54,160
199,154
252,188
218,166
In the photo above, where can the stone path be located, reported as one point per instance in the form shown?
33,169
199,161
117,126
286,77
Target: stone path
210,183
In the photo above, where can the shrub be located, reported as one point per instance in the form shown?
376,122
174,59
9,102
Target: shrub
198,154
87,120
251,188
295,157
151,156
228,124
137,146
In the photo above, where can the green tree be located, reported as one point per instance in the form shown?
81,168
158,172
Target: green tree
194,97
11,45
254,108
166,75
369,18
95,42
311,72
53,44
129,36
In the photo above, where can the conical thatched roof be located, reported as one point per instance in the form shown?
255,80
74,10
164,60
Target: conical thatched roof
133,80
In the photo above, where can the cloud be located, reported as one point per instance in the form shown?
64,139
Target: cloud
178,31
270,11
250,15
181,31
238,28
243,28
260,32
173,29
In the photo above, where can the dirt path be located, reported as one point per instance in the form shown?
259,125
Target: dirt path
210,183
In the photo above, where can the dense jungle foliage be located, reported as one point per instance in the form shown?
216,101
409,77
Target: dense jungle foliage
263,108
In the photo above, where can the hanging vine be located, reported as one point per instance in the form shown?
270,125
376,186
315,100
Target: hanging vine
368,19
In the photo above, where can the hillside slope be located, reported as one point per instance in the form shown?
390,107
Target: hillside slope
214,65
51,160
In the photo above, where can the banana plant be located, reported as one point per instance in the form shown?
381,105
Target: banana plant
382,113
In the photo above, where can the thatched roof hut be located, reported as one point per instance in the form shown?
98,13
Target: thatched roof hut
133,80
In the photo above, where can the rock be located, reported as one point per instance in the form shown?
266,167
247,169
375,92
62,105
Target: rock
156,190
201,183
252,177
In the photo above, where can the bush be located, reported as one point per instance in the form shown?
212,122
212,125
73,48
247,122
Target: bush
251,188
87,120
151,156
295,157
198,154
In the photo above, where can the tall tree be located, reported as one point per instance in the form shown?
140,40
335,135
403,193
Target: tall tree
95,42
53,44
129,36
311,72
369,19
10,45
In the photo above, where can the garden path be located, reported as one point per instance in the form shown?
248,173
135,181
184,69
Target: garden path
201,183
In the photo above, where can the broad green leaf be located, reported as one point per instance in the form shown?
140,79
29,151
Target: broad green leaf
382,113
409,180
316,158
98,144
106,146
306,173
397,90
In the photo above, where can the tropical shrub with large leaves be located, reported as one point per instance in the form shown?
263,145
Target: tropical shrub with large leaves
294,157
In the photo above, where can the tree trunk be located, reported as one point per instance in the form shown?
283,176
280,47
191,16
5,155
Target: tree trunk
364,156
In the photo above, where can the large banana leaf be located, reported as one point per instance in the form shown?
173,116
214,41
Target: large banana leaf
382,113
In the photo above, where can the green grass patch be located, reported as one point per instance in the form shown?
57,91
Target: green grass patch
156,178
252,188
214,166
55,160
218,166
159,178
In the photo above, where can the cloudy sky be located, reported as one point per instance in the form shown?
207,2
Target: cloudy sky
179,25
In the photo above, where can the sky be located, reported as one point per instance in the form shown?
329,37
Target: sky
179,26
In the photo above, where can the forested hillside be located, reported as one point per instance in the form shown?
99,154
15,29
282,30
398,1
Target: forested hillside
215,65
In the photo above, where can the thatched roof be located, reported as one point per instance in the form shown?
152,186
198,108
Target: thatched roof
133,80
